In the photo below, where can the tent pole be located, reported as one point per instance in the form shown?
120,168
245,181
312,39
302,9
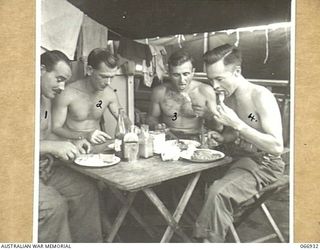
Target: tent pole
205,45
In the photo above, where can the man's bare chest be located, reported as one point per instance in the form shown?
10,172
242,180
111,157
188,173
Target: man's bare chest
86,107
246,111
175,102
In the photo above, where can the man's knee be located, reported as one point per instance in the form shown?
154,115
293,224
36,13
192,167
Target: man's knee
89,189
216,190
56,209
220,195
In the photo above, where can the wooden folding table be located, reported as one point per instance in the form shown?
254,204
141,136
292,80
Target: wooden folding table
142,176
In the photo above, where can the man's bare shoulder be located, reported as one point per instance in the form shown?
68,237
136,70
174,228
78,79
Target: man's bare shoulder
70,92
261,95
205,89
196,83
159,92
160,89
109,94
75,86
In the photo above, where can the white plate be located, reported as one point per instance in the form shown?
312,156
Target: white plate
97,160
187,155
189,143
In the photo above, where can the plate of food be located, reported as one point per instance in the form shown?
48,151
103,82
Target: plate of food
97,160
183,144
202,155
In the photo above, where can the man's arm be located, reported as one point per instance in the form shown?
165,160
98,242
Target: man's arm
61,149
59,117
211,107
155,109
113,105
270,140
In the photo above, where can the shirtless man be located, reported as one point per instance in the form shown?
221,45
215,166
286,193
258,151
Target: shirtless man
252,120
78,110
172,103
68,201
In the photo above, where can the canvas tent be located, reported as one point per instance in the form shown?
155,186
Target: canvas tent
151,18
77,26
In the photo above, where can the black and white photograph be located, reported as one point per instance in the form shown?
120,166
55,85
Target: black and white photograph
164,121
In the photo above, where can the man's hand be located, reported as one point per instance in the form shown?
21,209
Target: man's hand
215,138
98,137
227,117
64,150
202,111
83,146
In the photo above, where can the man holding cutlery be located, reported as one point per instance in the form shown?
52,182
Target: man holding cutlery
68,201
78,110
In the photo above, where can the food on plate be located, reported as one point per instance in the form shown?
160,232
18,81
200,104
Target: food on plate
92,159
204,155
182,145
170,153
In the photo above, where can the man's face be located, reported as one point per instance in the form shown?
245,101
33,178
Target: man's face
181,76
222,78
100,78
53,82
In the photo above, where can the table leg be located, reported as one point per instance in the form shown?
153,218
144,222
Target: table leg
133,212
165,213
181,206
121,215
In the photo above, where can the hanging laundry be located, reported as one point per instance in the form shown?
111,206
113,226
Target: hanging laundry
128,67
94,35
55,34
158,52
134,51
148,73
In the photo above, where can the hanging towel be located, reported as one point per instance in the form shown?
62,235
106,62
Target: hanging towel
94,35
158,52
60,26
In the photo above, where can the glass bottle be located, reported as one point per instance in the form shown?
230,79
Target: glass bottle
119,134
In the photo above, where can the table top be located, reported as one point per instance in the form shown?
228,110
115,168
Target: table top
145,172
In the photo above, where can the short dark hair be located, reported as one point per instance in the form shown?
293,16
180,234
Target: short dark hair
51,58
179,57
230,55
99,55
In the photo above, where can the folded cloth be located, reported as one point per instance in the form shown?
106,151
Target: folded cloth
55,34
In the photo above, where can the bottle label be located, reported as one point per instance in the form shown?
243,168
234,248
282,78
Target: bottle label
117,145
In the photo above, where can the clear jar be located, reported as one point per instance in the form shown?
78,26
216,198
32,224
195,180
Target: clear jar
145,142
